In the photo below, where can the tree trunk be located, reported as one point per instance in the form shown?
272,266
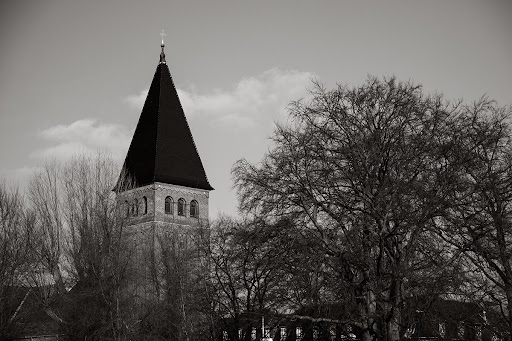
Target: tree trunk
393,326
508,291
369,308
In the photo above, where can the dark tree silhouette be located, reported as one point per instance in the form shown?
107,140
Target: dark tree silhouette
363,169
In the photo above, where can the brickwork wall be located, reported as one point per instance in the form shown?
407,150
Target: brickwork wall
176,193
155,195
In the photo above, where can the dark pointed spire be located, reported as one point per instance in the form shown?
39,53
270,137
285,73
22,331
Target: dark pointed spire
162,147
162,54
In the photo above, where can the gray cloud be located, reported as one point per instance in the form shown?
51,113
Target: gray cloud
252,101
84,136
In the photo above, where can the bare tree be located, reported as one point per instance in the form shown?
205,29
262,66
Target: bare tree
81,227
45,199
250,274
16,258
362,168
95,248
480,223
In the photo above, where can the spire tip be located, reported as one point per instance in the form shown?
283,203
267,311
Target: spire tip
162,54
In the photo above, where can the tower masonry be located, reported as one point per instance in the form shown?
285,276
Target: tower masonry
165,203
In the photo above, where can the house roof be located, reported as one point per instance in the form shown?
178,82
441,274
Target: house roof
34,316
452,310
162,147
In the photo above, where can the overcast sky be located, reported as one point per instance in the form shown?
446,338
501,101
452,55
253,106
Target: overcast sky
73,74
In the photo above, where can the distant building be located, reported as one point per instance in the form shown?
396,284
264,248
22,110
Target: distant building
456,320
313,323
443,320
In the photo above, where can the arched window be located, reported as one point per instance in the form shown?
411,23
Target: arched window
181,207
194,209
144,205
135,207
168,205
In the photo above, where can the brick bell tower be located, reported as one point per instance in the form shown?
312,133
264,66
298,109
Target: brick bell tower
163,191
163,182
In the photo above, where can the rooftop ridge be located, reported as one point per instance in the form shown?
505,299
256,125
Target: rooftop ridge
158,111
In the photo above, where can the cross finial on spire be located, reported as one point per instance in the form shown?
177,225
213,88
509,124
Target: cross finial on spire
162,34
162,54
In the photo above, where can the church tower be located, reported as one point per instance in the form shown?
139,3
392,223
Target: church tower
163,191
163,181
